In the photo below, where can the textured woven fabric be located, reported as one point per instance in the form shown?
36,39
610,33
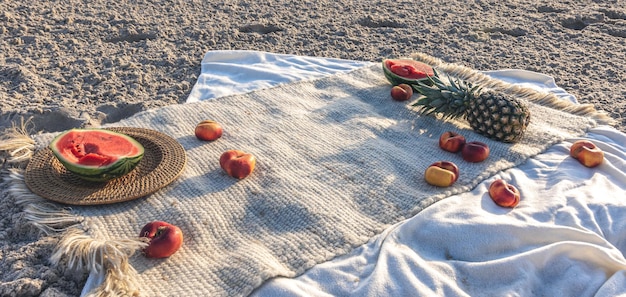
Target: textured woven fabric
337,162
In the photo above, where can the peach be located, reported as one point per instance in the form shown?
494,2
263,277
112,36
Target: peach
441,174
451,141
164,239
504,194
237,164
475,151
587,153
401,92
208,130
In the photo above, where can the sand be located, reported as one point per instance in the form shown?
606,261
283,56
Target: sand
70,64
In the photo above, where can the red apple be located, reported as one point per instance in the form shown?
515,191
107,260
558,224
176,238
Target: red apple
451,141
165,239
587,153
441,174
504,194
401,92
208,130
475,151
237,164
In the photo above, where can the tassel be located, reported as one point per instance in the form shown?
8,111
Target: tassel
16,146
99,256
47,217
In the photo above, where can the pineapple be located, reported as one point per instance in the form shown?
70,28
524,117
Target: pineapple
495,115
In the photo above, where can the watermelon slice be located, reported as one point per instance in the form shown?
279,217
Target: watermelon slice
406,71
97,154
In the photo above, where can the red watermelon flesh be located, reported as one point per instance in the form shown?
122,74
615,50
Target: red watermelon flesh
93,148
92,159
409,69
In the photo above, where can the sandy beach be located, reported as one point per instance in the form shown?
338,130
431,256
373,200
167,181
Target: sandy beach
70,64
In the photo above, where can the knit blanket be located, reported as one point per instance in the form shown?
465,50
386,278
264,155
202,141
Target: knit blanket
338,161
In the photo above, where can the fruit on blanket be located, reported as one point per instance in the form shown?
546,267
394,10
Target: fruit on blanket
401,92
208,130
504,194
475,151
587,153
97,154
406,71
164,239
451,141
237,164
495,115
441,174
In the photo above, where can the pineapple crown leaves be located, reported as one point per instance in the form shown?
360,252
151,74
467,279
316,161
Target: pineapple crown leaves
447,96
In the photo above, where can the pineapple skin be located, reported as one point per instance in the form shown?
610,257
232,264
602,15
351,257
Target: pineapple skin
500,117
492,114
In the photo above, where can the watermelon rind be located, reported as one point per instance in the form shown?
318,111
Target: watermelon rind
120,167
395,79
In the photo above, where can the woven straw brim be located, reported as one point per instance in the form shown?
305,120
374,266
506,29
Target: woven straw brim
163,161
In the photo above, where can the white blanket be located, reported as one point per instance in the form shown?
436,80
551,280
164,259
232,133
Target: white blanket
566,237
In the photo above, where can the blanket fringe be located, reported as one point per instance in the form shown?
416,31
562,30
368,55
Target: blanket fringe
542,98
108,257
16,146
47,217
77,248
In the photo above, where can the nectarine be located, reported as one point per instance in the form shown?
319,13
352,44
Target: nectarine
504,194
237,164
164,239
475,151
587,153
401,92
208,130
451,141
